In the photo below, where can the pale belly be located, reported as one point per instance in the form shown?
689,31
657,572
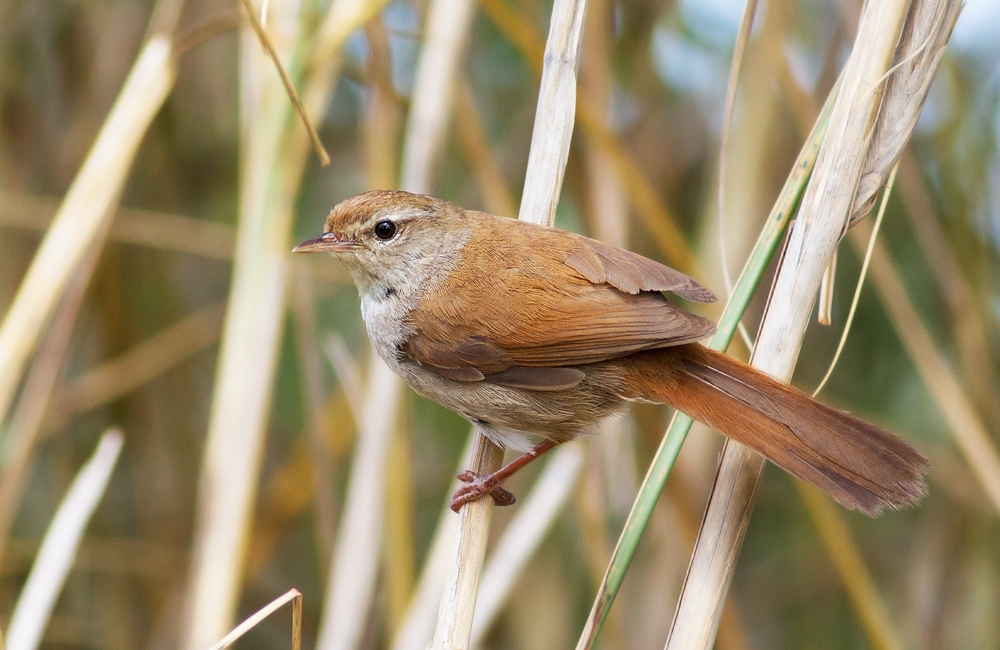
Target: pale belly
508,415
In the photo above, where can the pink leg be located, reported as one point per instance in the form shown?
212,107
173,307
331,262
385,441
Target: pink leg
476,487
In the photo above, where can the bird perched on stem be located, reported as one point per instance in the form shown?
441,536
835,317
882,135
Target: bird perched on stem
531,331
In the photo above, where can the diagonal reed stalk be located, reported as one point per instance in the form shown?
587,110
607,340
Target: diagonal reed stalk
844,161
87,206
293,596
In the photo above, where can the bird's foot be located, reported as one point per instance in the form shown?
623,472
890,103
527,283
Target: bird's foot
476,487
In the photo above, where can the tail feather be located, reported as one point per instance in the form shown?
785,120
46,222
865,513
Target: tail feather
862,466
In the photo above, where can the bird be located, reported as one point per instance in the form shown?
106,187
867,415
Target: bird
535,333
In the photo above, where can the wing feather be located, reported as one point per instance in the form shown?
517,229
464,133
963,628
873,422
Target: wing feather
564,301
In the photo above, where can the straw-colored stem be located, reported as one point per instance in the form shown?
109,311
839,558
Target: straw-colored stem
276,153
822,221
555,115
553,130
663,461
458,604
292,595
88,204
248,354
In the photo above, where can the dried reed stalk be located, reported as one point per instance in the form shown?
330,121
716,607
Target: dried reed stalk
248,351
553,130
293,596
826,209
87,206
555,115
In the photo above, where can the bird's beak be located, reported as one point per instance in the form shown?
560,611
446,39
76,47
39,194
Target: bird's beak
325,243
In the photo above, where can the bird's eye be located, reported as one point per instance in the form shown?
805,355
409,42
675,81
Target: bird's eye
385,229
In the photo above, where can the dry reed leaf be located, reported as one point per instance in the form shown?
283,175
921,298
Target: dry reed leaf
925,34
60,545
293,96
254,619
861,281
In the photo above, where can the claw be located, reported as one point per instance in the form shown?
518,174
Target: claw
476,487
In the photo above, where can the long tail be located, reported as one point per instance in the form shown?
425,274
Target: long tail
862,466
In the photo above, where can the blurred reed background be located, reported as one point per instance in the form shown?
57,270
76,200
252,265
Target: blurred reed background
224,173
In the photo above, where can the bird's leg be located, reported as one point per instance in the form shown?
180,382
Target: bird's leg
476,487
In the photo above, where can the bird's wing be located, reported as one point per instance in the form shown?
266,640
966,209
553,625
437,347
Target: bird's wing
547,299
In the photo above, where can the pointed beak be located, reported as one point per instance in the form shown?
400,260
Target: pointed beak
325,243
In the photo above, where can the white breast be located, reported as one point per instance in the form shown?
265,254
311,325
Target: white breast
385,320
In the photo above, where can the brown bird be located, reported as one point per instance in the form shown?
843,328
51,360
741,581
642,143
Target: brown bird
531,331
